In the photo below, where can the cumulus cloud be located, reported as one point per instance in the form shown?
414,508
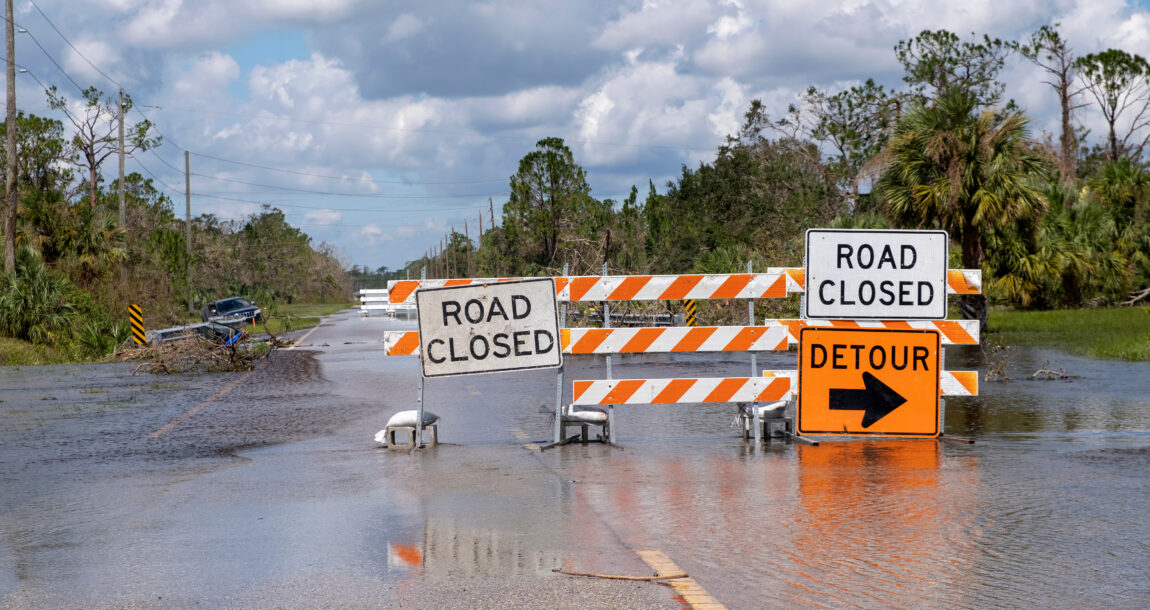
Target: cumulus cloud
426,108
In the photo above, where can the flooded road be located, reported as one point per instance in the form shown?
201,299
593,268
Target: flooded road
266,489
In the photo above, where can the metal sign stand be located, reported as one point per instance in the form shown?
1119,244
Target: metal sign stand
419,416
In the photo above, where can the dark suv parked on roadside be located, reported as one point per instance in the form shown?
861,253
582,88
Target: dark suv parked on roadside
232,309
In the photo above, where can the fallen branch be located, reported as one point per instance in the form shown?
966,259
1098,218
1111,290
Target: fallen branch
1137,296
621,577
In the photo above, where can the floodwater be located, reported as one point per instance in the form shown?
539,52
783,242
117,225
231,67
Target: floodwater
266,489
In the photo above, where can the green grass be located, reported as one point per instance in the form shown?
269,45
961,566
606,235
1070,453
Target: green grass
302,315
16,352
1116,334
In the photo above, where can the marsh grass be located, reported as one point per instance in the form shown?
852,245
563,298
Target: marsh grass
1115,333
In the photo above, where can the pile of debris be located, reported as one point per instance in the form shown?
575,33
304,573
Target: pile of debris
194,352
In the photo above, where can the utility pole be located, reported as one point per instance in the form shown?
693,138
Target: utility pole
188,226
123,211
467,237
10,169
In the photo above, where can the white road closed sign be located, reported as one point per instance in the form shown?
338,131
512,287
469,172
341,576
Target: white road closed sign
487,328
858,273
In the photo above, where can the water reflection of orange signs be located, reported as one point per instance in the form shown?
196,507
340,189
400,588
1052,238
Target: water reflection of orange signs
871,382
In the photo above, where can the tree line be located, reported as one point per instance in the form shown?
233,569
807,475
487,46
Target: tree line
1052,221
77,256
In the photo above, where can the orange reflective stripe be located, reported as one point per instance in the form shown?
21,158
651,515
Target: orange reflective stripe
642,340
955,332
591,339
402,290
457,282
679,288
564,338
580,286
622,392
897,324
776,390
629,287
798,275
694,338
968,379
726,389
560,284
406,345
744,339
732,286
777,289
674,391
957,281
579,388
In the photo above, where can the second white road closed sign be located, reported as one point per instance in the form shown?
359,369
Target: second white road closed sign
487,328
876,274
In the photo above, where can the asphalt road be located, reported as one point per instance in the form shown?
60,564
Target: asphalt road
266,489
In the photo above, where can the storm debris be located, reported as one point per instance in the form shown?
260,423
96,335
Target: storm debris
193,352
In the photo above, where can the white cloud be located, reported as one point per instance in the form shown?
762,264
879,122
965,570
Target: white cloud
324,217
406,26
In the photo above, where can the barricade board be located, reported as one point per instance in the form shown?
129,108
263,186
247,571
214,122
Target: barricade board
657,340
488,328
869,382
873,274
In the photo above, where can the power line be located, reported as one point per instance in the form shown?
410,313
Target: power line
73,47
24,30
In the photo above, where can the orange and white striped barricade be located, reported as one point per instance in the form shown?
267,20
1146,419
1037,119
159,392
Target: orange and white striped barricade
604,392
958,281
953,332
629,287
638,340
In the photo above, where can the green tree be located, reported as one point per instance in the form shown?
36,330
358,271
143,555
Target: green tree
1120,84
856,123
938,61
97,132
1048,50
549,195
963,171
36,304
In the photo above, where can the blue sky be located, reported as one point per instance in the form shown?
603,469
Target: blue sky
377,127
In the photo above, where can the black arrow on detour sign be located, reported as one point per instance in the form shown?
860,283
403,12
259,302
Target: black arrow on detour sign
876,400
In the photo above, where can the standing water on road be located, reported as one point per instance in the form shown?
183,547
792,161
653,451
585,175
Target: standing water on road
266,489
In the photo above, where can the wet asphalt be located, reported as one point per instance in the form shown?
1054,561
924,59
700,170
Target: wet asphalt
266,489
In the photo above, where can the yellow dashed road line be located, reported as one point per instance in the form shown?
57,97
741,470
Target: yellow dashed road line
690,590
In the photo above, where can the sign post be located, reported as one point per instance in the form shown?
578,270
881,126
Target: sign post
869,382
865,274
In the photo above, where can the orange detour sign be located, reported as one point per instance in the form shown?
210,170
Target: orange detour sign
868,382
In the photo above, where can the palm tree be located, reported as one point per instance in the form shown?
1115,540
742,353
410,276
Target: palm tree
951,167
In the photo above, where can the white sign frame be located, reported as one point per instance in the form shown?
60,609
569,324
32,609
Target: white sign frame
883,274
464,329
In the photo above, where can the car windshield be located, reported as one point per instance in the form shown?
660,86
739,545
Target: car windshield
230,305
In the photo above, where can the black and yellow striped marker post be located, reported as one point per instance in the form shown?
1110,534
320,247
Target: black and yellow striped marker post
136,317
692,318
